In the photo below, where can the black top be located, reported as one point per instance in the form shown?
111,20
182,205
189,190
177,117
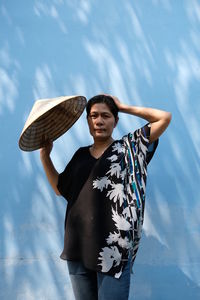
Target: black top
106,202
70,184
72,179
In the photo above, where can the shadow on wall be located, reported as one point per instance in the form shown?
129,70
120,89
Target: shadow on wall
155,277
163,282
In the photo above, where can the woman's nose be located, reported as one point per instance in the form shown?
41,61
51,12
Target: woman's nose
99,120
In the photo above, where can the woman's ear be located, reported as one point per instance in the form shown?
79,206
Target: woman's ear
116,121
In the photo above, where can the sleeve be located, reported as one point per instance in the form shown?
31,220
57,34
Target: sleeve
65,178
141,137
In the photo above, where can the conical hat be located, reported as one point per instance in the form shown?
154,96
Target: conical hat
49,119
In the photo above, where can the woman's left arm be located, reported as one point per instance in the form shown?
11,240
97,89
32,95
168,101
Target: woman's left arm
159,119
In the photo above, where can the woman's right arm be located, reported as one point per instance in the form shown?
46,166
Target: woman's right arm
51,173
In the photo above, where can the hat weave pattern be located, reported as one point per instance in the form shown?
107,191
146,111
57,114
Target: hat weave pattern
49,119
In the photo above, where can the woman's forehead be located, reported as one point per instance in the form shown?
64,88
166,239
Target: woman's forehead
100,107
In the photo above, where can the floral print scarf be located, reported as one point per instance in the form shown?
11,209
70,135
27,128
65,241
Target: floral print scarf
119,178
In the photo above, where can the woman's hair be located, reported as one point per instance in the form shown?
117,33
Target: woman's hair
108,100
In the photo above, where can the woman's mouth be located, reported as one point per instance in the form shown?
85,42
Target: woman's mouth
99,130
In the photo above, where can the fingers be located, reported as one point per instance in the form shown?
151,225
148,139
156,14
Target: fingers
115,99
47,146
117,102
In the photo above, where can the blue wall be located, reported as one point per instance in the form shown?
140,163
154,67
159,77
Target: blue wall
146,53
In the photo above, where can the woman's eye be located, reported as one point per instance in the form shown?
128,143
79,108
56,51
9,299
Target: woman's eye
106,116
102,116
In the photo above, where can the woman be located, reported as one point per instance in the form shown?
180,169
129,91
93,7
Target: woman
104,185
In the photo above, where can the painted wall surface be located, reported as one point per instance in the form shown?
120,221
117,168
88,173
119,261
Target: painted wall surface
147,53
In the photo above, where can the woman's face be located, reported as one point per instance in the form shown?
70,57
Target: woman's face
101,122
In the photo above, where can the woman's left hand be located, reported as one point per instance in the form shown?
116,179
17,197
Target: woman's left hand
116,100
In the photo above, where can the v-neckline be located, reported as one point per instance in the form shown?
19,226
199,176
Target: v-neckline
102,153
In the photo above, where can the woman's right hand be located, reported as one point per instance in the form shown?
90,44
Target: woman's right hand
46,150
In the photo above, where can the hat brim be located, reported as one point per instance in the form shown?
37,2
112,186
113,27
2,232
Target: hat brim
51,124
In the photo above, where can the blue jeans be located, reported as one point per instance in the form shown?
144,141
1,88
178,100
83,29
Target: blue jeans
91,285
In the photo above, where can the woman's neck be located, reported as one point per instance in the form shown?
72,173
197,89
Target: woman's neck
99,147
102,144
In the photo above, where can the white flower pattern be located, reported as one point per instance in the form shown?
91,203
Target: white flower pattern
117,193
110,256
101,183
118,147
115,169
112,158
120,222
113,238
